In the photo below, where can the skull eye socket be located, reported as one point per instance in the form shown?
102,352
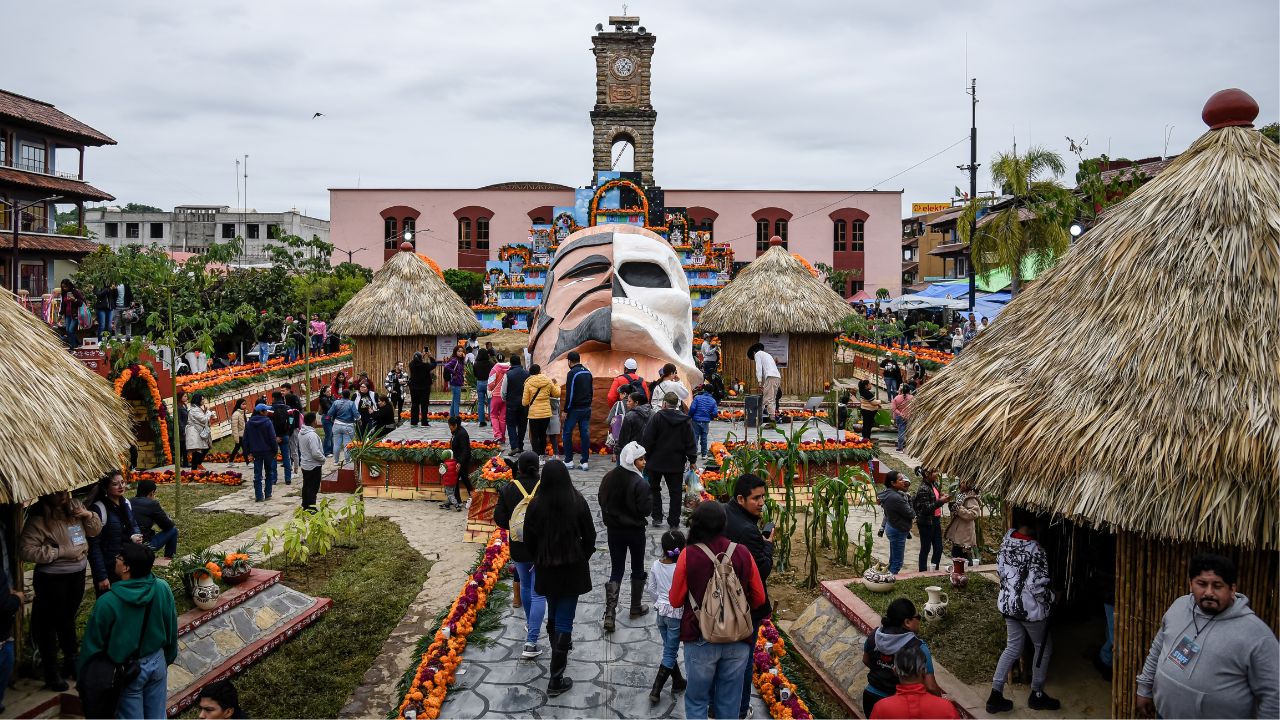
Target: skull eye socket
644,274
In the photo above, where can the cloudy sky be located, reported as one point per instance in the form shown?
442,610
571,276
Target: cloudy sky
761,94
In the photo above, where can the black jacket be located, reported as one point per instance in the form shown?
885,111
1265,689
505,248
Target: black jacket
514,397
149,515
742,528
925,504
420,375
483,364
460,444
668,441
572,578
625,499
508,498
633,424
280,419
578,389
897,511
117,526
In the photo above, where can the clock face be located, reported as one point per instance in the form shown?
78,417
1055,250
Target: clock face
623,67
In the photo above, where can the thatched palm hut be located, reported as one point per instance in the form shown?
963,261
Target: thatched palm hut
399,313
1135,388
776,293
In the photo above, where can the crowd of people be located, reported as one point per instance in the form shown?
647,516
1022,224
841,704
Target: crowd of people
914,329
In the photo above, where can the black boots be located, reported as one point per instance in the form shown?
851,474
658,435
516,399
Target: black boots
997,702
678,683
560,644
1040,701
655,694
611,591
53,679
637,594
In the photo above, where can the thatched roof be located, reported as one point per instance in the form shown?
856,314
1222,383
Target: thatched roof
405,298
1137,384
61,425
508,341
776,293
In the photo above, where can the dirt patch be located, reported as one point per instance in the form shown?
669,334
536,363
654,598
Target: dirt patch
786,588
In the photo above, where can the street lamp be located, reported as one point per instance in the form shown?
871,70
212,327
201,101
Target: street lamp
1076,229
350,252
17,214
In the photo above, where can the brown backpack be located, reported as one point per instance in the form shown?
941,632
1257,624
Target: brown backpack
723,615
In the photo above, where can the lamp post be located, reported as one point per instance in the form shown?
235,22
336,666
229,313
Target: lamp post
350,252
17,214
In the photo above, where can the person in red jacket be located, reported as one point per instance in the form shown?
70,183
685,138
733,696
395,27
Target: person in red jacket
628,377
449,480
911,700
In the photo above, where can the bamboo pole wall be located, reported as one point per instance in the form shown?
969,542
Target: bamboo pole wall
378,355
810,366
1150,575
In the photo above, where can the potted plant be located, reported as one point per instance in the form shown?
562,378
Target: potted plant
236,566
200,574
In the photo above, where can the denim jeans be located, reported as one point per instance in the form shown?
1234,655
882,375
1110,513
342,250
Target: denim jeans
263,464
517,423
264,351
147,697
901,423
562,609
669,631
343,434
930,539
6,666
1105,653
69,326
482,399
104,322
700,430
535,605
579,418
891,387
327,443
286,458
167,539
455,404
715,672
897,547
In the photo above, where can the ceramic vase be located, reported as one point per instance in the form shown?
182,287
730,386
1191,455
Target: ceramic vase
937,605
205,595
957,576
235,578
878,580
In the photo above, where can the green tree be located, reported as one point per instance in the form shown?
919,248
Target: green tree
468,285
1032,226
140,208
837,279
1271,132
304,261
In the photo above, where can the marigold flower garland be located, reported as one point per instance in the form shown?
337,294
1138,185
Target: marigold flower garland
922,353
778,693
143,373
440,662
161,477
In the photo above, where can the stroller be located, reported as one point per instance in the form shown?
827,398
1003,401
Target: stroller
714,385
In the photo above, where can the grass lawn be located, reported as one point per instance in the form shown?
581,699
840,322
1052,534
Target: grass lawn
969,639
371,586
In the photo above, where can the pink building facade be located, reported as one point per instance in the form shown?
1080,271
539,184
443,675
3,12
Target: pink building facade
461,228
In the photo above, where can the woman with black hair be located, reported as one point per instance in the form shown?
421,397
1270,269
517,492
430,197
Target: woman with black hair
869,405
238,421
669,381
928,503
118,527
896,632
560,534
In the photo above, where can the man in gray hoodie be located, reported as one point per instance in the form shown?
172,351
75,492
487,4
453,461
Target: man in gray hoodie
1213,657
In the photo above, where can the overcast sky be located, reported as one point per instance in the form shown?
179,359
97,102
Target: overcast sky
780,95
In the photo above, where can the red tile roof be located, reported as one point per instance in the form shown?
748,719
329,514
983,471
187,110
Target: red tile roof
44,115
66,187
48,243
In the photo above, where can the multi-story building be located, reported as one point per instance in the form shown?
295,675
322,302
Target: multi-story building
193,228
33,183
919,240
856,230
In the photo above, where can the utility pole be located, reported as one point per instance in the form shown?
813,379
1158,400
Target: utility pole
972,167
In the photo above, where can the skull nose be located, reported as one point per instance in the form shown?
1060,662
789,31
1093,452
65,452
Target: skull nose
618,290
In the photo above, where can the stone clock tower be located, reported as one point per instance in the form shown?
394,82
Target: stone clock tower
623,110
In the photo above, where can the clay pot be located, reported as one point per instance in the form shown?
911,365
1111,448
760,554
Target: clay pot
206,593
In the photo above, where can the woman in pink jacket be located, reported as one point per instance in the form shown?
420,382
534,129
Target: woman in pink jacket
498,406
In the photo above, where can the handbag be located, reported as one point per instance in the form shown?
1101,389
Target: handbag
101,680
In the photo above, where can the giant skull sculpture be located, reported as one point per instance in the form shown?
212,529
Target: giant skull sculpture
614,292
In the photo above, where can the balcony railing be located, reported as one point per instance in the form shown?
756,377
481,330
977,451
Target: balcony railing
41,168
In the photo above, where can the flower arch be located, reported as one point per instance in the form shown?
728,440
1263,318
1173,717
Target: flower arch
158,410
431,264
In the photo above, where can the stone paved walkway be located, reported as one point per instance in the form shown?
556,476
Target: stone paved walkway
612,673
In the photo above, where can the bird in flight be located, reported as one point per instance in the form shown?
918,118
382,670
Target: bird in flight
319,114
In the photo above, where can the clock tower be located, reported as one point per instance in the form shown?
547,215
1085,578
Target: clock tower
623,110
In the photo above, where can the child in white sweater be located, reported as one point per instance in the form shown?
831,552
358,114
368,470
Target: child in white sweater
659,588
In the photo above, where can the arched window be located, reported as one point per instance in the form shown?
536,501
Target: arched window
707,225
409,225
780,229
857,228
539,220
389,233
838,235
482,233
762,235
464,233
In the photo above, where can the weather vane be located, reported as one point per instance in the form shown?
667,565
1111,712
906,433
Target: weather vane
624,9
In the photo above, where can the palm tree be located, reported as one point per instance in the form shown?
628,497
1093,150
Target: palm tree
1032,226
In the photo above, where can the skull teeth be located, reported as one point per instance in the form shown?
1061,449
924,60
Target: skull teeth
648,312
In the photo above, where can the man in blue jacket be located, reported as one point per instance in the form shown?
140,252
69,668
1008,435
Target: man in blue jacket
577,408
260,440
702,411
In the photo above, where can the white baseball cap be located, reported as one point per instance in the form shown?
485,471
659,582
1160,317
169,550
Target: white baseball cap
630,364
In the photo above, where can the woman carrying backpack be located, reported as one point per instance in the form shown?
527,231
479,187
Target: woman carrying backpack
523,485
715,663
624,507
118,528
560,534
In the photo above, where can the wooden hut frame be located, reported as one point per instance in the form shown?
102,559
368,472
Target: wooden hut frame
777,293
1134,387
401,311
